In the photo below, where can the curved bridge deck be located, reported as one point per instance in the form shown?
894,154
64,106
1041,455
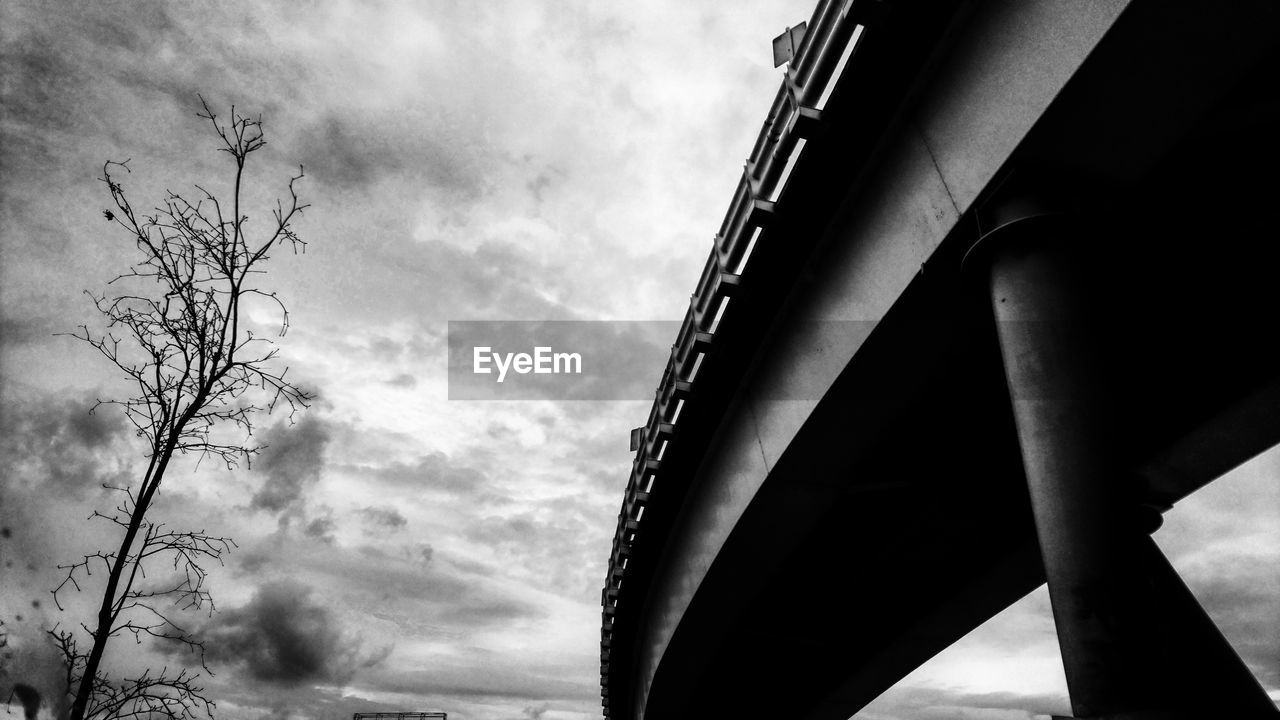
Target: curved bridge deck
830,489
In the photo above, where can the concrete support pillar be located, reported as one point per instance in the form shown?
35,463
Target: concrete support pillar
1134,642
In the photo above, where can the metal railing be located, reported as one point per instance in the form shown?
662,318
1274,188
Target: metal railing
794,117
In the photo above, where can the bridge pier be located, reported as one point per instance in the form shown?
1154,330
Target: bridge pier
1134,641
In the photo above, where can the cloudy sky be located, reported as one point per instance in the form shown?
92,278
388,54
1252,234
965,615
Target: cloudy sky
464,161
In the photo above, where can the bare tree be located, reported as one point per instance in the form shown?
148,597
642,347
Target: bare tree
181,336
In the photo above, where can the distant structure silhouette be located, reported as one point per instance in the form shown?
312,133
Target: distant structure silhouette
400,716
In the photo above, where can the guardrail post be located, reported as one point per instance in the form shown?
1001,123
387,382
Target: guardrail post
1134,641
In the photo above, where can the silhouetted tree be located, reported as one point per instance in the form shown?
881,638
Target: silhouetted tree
180,335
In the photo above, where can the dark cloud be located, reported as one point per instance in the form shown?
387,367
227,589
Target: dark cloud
54,457
291,462
20,331
321,528
283,636
537,185
535,712
29,697
382,518
408,580
40,82
353,152
63,446
411,583
499,531
436,471
488,610
423,553
403,380
385,348
30,670
80,73
501,432
251,562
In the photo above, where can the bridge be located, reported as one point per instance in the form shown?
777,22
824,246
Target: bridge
997,288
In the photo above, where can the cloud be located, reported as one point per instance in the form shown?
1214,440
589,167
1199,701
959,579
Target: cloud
54,457
23,330
292,462
63,447
396,581
357,152
553,545
1240,591
479,677
488,610
32,671
423,553
283,636
435,471
932,703
381,519
240,701
409,583
1244,601
43,85
321,528
403,380
1222,542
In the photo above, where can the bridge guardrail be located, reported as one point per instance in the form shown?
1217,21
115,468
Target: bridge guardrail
794,118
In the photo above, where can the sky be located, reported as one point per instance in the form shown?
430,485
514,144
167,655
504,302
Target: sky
464,161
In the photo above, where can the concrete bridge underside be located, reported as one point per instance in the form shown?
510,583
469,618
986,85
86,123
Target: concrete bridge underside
862,504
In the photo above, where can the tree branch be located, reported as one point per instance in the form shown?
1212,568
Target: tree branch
177,334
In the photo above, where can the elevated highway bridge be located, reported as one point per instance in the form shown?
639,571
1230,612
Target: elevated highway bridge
998,287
